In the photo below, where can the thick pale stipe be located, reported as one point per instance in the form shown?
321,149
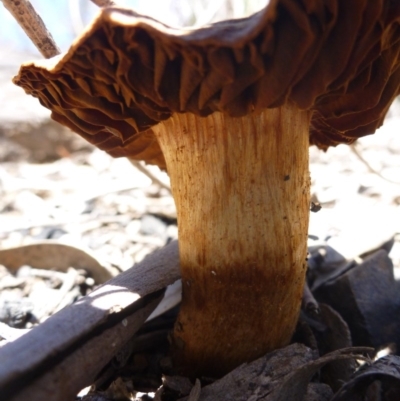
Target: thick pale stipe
241,187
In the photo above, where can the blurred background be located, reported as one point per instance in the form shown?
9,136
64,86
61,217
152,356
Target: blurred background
55,186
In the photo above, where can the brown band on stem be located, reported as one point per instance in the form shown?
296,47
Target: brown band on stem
33,25
241,187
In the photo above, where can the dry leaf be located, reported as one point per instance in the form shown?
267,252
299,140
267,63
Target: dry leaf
56,256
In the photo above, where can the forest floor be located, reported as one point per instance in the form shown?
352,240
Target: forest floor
54,186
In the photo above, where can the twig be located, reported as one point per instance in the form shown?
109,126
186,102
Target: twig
104,3
33,25
53,305
75,12
309,303
145,171
354,149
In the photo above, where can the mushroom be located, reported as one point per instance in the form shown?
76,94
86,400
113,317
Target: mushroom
229,110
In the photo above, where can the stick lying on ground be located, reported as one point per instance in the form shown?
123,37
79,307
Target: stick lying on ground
64,354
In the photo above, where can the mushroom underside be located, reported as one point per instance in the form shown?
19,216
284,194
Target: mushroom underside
128,72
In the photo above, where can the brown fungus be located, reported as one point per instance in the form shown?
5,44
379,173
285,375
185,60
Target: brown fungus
230,110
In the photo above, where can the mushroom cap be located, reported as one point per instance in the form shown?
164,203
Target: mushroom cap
339,59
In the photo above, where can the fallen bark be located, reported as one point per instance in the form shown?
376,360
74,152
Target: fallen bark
281,375
64,354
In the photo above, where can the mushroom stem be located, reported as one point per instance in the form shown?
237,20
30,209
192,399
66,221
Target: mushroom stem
241,187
